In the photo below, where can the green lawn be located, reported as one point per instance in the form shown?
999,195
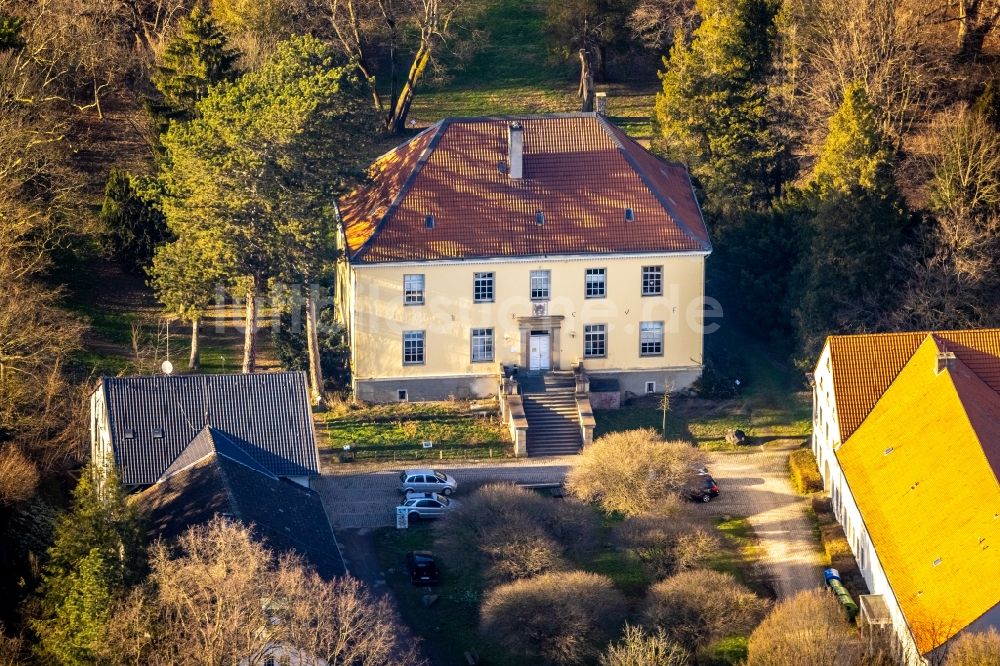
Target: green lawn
450,626
396,432
740,550
772,403
512,72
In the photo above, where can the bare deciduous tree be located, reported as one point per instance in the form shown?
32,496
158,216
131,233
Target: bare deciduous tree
666,545
634,472
504,533
224,598
975,649
954,277
828,45
11,649
562,617
656,23
369,31
806,630
637,648
698,607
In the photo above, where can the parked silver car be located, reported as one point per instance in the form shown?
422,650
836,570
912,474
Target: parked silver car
426,481
427,505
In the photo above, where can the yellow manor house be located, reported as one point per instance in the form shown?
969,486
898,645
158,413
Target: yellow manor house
537,242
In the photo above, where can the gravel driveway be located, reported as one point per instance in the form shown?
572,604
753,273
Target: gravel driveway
756,485
753,484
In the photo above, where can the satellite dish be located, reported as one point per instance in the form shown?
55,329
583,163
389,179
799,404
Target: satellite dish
167,367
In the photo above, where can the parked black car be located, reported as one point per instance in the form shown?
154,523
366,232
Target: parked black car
703,488
422,567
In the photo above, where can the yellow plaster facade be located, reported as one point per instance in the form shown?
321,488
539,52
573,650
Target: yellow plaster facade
373,308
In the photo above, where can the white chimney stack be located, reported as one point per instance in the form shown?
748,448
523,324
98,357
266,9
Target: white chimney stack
515,145
945,361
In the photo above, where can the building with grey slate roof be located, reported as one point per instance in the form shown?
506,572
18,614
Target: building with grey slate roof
143,424
215,477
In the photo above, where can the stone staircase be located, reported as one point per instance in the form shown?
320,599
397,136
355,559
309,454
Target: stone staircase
550,408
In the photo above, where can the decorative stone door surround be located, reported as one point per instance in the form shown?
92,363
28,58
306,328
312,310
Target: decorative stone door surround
550,323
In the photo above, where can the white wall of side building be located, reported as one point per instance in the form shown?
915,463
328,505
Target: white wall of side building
100,429
825,441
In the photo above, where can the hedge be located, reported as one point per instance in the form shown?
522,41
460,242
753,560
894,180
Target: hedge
804,473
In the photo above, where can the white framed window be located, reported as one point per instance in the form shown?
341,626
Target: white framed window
595,340
413,289
650,387
482,287
402,395
413,347
652,280
541,285
596,285
482,344
651,338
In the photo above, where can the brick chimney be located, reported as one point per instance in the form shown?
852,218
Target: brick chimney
515,149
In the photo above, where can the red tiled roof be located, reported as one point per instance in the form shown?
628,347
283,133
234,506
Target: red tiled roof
580,171
865,365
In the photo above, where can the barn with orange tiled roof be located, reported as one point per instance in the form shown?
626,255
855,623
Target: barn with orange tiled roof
907,438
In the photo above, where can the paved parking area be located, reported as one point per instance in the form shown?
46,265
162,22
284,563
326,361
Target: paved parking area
369,499
754,485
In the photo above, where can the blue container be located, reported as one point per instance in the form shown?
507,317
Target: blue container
830,574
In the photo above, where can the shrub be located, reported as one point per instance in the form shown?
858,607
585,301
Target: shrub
633,472
807,630
698,607
975,649
726,652
504,532
637,648
563,618
805,475
665,545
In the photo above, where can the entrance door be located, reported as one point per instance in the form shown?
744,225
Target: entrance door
538,352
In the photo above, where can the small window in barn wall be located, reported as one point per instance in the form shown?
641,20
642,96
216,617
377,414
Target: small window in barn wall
413,289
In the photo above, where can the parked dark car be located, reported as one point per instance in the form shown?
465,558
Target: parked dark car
422,567
702,488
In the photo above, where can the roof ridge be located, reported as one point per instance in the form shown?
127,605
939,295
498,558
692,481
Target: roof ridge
606,125
934,332
231,439
202,376
441,126
228,488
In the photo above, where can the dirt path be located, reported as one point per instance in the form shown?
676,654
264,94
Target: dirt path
756,485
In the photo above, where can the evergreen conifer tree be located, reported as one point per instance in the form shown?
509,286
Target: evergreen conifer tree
252,178
10,33
196,59
97,553
712,111
131,220
854,221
